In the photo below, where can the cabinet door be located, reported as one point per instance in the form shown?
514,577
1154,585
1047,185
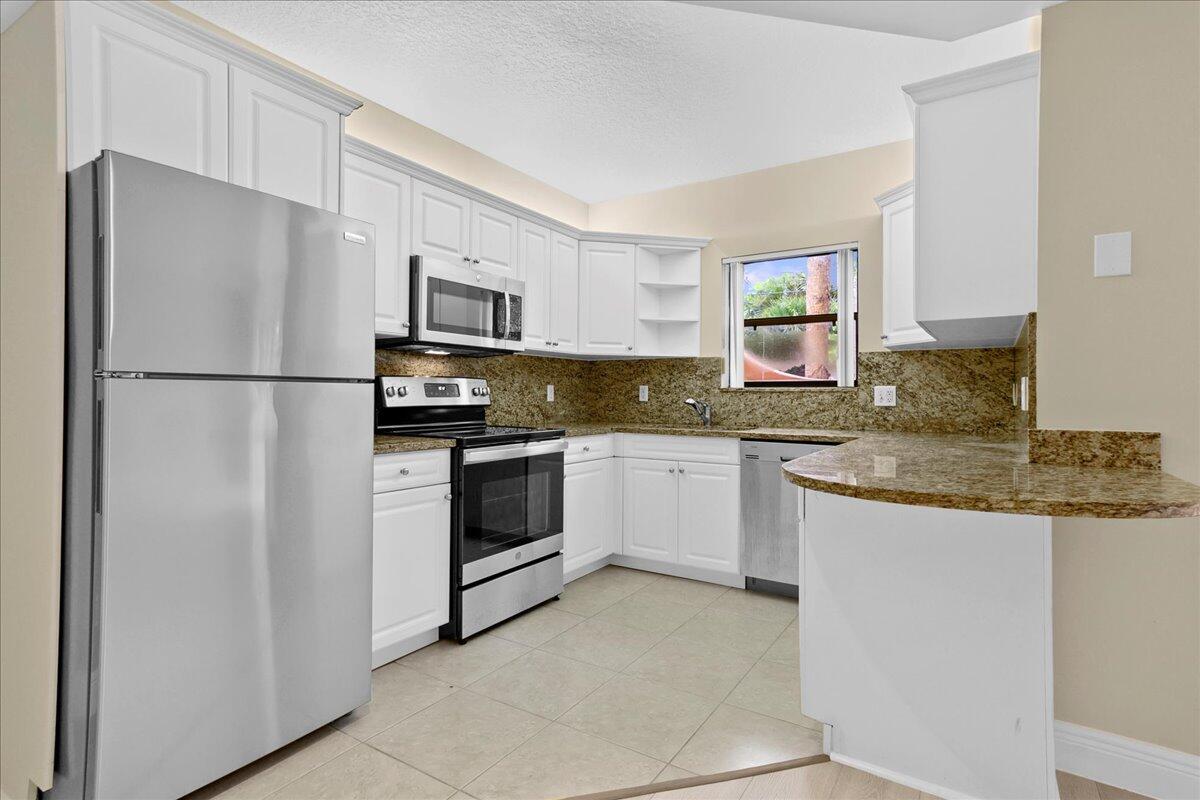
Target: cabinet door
535,261
709,516
282,143
899,325
494,241
607,313
380,195
410,574
564,295
587,512
138,92
441,223
650,505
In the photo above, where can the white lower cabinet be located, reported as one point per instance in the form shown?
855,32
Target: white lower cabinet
681,512
651,509
709,516
410,589
589,527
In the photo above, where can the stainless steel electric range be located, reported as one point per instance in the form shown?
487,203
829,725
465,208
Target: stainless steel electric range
507,512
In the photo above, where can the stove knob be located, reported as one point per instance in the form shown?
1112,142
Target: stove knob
476,391
486,391
402,391
390,391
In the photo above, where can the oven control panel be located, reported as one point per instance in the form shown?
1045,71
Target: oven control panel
423,390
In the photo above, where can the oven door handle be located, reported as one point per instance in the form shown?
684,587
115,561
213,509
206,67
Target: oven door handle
505,452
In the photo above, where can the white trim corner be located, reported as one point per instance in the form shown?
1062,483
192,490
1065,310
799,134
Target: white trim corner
1130,764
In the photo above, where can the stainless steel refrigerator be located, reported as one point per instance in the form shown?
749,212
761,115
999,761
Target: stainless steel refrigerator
217,533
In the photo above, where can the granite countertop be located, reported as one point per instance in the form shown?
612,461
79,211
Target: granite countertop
409,444
978,474
975,473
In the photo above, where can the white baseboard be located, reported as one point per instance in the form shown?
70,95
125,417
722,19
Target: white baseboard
391,652
681,571
895,777
586,569
1126,763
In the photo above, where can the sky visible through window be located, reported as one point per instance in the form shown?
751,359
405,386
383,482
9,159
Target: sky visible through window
790,287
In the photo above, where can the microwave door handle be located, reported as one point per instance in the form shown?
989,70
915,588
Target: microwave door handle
500,322
507,317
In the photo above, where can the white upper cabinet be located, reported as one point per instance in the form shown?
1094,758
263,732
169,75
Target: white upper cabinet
142,93
381,195
607,315
282,143
900,329
441,223
494,241
564,294
709,516
535,255
976,148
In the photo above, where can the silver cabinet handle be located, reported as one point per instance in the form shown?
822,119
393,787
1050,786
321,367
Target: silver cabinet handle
404,470
449,496
474,260
671,470
587,448
467,259
681,470
884,337
628,347
403,324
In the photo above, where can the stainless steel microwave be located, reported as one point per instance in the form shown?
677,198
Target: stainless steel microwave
457,309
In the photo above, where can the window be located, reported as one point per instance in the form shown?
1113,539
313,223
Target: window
793,318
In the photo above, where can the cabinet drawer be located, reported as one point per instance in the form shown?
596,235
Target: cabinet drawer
589,448
705,449
408,470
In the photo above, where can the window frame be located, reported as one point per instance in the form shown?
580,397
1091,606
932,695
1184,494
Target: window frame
845,320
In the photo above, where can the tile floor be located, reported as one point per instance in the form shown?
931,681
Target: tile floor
629,678
831,781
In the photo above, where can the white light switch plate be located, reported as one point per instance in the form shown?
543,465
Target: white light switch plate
885,395
1113,255
643,394
549,392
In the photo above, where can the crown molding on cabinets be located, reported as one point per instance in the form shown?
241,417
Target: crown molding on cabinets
971,80
176,27
421,172
893,194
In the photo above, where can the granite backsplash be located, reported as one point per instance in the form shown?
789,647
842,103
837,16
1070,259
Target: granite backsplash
938,391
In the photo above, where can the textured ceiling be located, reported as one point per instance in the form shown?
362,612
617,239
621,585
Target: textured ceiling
930,19
607,99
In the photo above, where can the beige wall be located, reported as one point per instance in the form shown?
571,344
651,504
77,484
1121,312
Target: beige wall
812,203
1120,151
379,126
32,254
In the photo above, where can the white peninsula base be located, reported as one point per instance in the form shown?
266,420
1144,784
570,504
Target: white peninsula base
926,644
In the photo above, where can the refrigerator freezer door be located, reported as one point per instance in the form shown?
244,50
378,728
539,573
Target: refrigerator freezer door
233,605
203,277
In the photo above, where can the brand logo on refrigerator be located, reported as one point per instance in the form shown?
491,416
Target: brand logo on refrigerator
354,237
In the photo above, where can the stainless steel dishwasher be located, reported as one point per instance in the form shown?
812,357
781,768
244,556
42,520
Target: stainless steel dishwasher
771,516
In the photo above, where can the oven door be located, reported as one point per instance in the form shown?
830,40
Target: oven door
512,506
459,306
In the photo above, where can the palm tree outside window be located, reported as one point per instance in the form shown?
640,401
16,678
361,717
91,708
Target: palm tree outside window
793,318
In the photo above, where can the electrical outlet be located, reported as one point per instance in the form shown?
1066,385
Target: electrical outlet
549,392
643,394
885,395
